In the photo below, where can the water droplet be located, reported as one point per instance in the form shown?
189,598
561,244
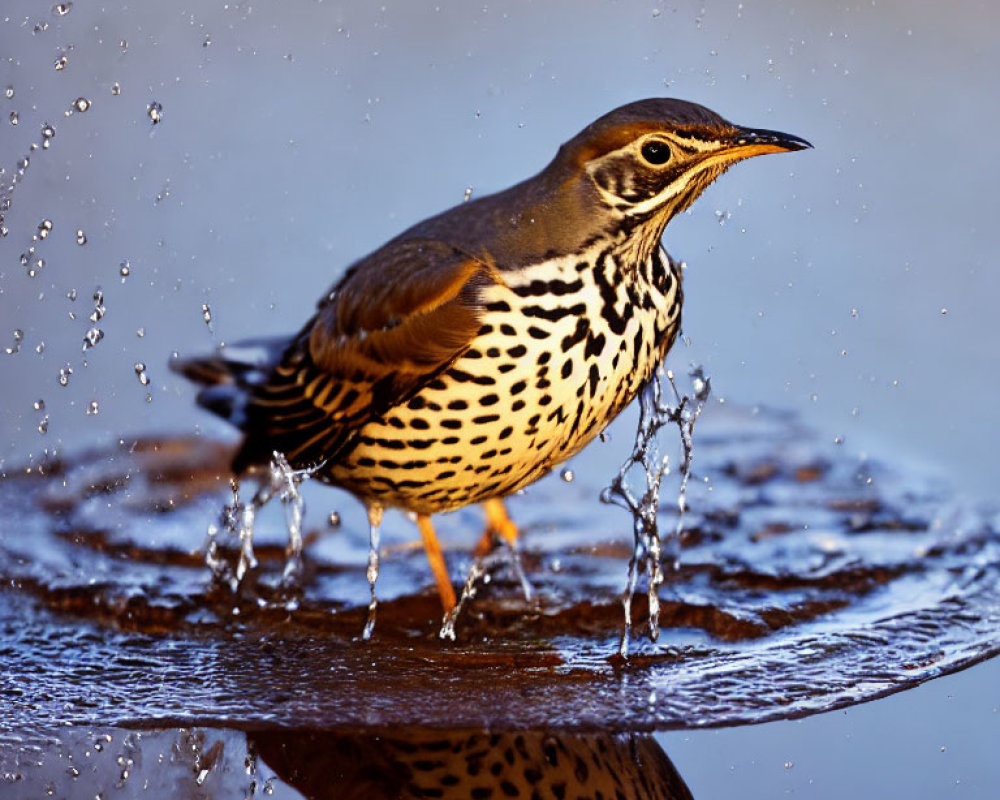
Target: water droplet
123,44
333,520
124,269
16,347
99,308
81,104
60,63
656,13
155,112
140,332
91,338
61,9
43,424
40,347
468,194
854,313
838,439
206,313
789,765
944,311
64,375
8,92
93,408
567,475
207,41
48,133
140,373
14,118
116,89
44,228
71,295
81,237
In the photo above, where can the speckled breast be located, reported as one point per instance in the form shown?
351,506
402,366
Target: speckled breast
564,346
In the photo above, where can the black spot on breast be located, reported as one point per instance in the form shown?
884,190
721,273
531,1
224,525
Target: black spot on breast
477,440
493,352
567,368
518,387
508,330
577,336
554,314
485,419
595,345
517,351
498,305
517,405
457,405
489,400
419,424
451,424
537,333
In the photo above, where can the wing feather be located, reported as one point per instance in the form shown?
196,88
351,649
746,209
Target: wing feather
393,323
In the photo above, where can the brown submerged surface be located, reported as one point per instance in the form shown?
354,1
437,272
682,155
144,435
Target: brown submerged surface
804,584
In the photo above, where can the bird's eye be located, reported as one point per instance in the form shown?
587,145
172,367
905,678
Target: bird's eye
656,152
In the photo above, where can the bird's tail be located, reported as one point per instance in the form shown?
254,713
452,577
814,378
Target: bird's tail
229,376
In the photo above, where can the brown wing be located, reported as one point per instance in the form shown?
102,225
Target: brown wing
393,323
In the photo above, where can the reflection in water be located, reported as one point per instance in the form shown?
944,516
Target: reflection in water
456,764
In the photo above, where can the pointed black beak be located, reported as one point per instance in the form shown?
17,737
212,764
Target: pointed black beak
764,141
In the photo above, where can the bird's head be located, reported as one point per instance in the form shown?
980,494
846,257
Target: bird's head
649,160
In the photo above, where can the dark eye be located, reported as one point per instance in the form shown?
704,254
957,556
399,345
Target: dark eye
656,152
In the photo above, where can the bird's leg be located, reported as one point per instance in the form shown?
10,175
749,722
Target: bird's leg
375,512
498,523
436,559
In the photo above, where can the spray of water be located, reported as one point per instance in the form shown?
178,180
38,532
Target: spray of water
656,412
238,519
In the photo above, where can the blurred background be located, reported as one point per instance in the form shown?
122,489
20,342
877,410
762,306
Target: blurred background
176,178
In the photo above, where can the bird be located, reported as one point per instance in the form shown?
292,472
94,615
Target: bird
474,352
407,763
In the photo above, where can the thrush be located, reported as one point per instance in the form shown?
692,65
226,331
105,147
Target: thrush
474,352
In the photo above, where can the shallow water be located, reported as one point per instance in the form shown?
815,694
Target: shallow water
805,583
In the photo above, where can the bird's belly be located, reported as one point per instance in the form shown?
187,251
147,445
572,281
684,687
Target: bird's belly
530,393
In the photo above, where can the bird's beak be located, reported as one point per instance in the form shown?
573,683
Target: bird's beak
747,142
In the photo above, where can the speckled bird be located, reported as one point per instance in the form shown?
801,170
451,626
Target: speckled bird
480,348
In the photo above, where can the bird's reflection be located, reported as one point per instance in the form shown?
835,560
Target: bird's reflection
420,763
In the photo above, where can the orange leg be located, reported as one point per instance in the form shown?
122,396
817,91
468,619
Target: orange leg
497,524
436,559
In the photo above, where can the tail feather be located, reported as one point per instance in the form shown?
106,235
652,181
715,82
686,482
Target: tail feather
230,375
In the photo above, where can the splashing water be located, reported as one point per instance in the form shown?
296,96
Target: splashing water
238,518
654,413
375,513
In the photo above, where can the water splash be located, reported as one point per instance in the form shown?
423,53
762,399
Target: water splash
239,518
655,412
375,513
